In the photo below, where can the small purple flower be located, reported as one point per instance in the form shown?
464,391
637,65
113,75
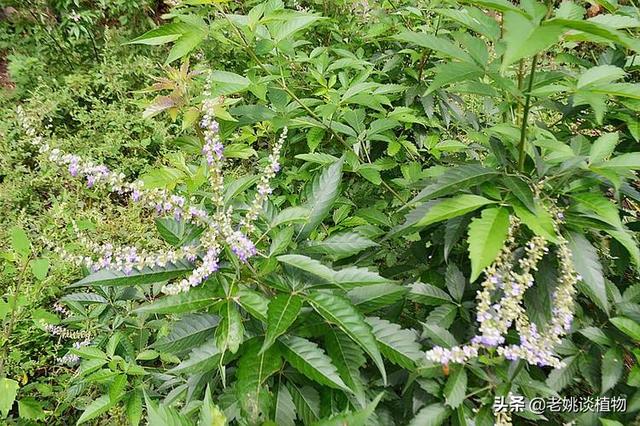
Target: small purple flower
73,169
241,246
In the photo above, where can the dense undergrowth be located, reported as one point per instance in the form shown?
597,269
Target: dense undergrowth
319,212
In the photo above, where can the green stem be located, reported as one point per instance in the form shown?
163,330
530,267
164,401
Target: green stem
12,318
525,114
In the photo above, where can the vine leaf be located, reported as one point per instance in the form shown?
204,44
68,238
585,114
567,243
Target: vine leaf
338,310
486,238
282,312
306,357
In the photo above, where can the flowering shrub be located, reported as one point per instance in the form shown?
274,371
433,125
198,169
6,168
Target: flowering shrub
370,213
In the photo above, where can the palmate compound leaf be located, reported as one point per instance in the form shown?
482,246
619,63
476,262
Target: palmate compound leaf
560,378
622,163
627,326
254,303
455,281
486,238
282,312
600,205
398,345
452,207
344,278
189,331
431,415
541,223
625,238
453,180
161,414
306,357
525,38
456,387
454,72
428,294
612,368
201,359
230,332
97,407
442,315
161,35
604,146
307,402
253,370
587,263
193,300
210,414
376,296
285,409
339,246
136,277
356,418
348,357
325,189
438,44
339,311
291,24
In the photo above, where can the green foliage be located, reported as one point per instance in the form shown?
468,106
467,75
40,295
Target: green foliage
417,132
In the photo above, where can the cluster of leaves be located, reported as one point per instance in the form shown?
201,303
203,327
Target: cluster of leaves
416,133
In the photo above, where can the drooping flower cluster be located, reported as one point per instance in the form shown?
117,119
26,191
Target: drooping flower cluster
507,282
81,338
218,226
264,189
122,258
